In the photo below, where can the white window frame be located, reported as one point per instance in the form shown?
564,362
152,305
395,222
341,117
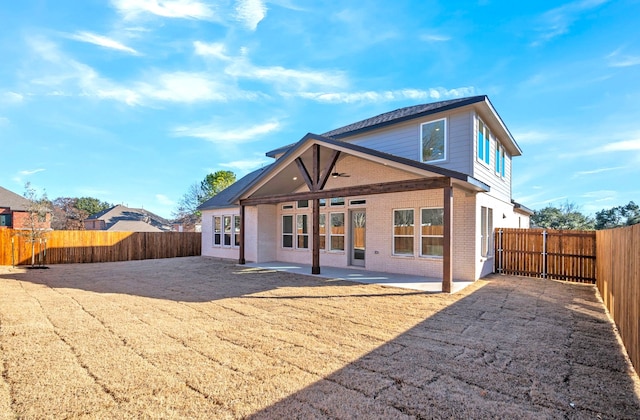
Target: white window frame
485,158
227,230
331,234
217,230
236,231
394,236
486,232
287,234
444,141
430,236
304,235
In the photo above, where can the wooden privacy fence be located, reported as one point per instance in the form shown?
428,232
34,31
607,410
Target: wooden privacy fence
554,254
618,261
87,246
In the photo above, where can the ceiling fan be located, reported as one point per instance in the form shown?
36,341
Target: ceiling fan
336,174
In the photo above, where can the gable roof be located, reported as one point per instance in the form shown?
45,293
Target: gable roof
13,201
118,213
230,196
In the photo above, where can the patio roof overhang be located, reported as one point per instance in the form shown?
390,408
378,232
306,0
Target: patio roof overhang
302,174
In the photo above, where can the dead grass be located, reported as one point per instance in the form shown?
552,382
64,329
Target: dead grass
203,338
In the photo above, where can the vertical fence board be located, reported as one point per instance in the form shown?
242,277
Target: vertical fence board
75,246
618,252
555,254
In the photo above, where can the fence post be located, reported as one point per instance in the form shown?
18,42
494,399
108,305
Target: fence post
499,259
544,254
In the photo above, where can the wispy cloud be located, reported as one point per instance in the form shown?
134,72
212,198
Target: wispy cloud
31,171
557,21
389,95
596,171
164,200
216,133
621,146
435,38
246,165
250,12
532,136
11,98
185,9
617,59
214,49
102,41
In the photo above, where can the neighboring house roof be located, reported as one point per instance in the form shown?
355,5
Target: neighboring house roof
522,209
409,113
230,196
133,226
224,198
120,213
13,201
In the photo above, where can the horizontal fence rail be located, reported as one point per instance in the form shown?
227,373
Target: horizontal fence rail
88,246
554,254
618,261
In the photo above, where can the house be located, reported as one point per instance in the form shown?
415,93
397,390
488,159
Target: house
14,212
120,218
417,191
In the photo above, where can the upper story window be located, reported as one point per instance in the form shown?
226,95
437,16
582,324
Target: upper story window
433,140
484,142
500,160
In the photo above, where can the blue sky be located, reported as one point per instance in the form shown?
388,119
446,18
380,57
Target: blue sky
133,101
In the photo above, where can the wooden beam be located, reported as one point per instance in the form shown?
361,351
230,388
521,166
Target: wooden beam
305,174
328,169
369,189
315,238
447,254
241,259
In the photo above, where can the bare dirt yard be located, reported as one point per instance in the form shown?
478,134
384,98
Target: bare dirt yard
203,338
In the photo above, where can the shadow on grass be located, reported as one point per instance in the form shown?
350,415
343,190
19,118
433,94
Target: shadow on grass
515,348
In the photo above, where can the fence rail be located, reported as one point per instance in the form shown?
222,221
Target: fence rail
78,246
554,254
618,266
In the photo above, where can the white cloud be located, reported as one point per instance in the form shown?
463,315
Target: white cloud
185,9
616,59
31,171
246,165
387,96
621,146
250,12
164,200
214,49
435,38
596,171
289,78
556,22
11,98
532,137
102,41
215,133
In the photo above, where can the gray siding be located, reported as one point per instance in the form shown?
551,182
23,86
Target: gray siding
500,187
404,140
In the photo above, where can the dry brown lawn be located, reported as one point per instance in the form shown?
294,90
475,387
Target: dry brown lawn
203,338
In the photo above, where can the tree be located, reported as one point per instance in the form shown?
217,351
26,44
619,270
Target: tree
626,215
69,213
187,211
566,216
37,213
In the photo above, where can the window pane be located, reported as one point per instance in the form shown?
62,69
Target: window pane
337,243
432,245
480,139
337,201
287,241
403,222
303,204
403,245
303,226
323,242
287,224
337,223
303,241
433,139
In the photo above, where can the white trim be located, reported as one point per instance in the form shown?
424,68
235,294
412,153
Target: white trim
445,146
